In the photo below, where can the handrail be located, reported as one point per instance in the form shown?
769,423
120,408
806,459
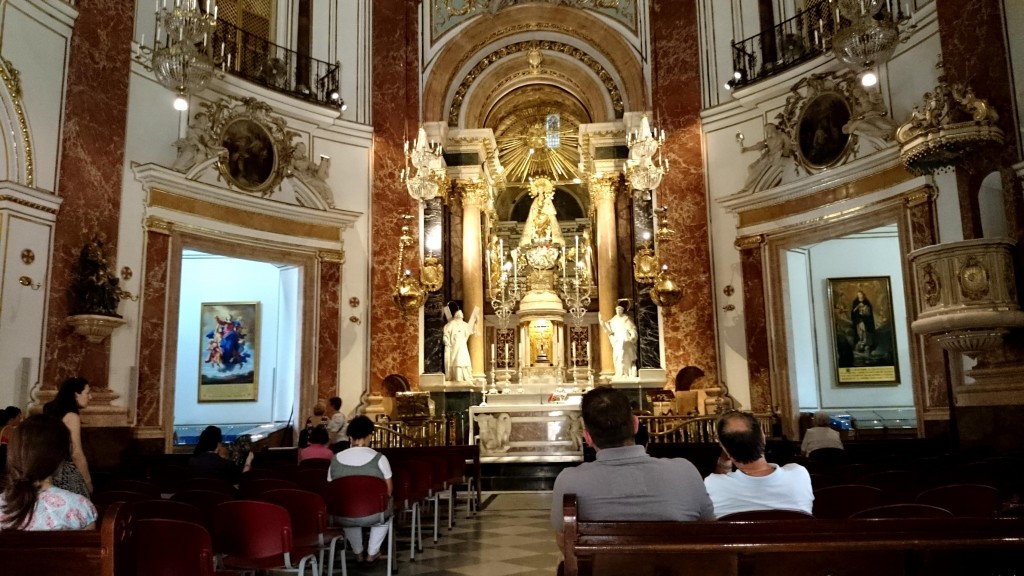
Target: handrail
399,434
696,429
262,62
798,39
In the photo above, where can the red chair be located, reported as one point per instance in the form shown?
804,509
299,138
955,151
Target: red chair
839,502
316,463
161,509
766,515
257,536
903,511
210,483
206,500
104,499
128,485
253,489
309,520
406,499
360,501
422,474
170,478
312,480
963,500
159,547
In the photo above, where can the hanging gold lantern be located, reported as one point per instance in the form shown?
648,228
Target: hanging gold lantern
666,291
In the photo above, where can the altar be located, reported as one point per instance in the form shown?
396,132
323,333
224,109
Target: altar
526,428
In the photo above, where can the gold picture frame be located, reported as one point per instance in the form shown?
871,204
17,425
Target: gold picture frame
863,331
229,351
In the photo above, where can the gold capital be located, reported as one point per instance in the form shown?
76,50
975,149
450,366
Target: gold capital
474,193
749,242
603,188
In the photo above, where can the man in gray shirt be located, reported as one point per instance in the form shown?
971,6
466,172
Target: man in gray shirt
625,483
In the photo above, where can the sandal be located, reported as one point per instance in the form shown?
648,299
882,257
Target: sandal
359,558
371,560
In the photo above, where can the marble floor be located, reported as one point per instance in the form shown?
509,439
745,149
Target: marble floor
511,535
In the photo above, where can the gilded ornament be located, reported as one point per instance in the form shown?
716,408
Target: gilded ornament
666,292
28,256
645,264
11,78
432,274
974,279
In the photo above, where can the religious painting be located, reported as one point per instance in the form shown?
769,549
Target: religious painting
251,161
863,331
821,139
229,351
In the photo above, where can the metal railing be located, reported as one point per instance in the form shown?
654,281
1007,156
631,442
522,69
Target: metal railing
696,429
798,39
398,434
262,62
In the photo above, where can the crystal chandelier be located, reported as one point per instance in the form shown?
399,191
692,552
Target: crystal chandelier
642,170
870,34
431,176
183,62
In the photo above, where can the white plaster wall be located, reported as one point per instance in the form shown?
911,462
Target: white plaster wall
207,278
853,257
36,38
800,329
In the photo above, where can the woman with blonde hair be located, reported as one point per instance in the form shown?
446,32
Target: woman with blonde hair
38,447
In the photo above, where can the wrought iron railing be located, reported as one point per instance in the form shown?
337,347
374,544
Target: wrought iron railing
398,434
796,40
696,429
262,62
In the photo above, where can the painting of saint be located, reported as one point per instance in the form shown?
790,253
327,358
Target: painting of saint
228,351
251,158
862,319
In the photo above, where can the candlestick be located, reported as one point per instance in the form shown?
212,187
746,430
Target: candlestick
507,363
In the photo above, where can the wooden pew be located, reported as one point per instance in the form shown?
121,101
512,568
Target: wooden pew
67,553
898,547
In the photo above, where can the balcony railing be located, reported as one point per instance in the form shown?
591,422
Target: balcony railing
798,39
262,62
693,429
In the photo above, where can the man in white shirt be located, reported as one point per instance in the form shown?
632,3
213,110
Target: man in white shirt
755,484
336,425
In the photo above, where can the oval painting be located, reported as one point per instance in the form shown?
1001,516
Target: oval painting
822,141
251,156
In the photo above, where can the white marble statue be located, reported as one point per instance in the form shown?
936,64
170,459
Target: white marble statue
775,146
197,145
623,335
311,173
457,364
495,432
871,121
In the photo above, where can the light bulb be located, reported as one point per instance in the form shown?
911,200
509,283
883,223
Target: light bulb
868,79
180,103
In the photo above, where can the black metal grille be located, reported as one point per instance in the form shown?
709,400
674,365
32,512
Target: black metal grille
796,40
258,60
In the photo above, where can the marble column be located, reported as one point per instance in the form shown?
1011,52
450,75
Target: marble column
328,325
474,200
153,324
92,158
602,194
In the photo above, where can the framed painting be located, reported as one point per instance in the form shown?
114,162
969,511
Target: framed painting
864,341
822,142
251,157
229,351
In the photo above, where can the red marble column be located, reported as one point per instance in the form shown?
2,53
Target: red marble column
755,317
92,160
974,53
689,327
328,328
394,340
153,327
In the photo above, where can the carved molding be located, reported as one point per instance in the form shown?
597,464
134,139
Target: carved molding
11,78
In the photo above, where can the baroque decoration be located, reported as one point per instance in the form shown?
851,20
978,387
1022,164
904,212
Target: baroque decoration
11,78
951,124
826,119
445,15
252,147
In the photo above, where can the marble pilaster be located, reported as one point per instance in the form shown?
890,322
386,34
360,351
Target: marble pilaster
648,329
474,200
394,341
92,158
602,194
755,316
433,318
328,326
153,326
688,328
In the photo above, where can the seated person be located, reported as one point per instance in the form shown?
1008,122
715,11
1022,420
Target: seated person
821,435
361,460
317,448
755,484
625,483
10,417
31,501
317,419
211,456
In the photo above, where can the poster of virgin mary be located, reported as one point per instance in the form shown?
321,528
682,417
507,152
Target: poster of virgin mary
864,339
228,351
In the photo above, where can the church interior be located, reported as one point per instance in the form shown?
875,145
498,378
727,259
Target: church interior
459,215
